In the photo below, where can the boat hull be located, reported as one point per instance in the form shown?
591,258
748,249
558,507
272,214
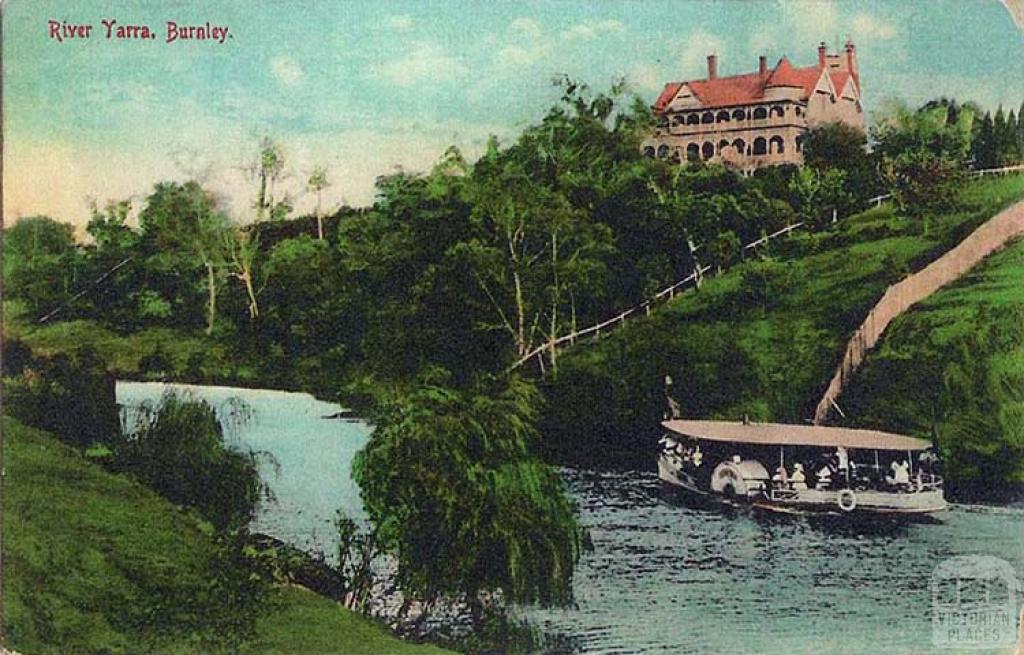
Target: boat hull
816,501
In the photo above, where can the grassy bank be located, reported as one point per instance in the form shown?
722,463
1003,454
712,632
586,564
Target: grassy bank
760,340
953,368
94,562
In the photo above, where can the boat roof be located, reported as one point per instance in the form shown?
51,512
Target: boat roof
780,434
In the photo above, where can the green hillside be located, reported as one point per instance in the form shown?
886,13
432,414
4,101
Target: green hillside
953,366
96,563
761,340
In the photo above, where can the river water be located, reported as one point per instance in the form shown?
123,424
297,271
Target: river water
662,576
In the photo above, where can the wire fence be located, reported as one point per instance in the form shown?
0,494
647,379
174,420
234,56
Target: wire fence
694,278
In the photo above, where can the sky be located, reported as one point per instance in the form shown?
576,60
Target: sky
365,87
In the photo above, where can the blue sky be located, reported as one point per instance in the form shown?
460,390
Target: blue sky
362,87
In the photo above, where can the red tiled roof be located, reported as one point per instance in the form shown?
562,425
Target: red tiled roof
667,94
749,88
735,90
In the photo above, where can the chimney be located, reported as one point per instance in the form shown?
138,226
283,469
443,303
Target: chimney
851,57
762,66
821,55
712,67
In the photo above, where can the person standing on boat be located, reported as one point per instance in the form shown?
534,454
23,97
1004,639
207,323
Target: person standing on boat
799,479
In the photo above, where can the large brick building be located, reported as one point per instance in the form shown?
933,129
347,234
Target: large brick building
756,119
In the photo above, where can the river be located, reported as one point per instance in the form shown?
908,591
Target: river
662,576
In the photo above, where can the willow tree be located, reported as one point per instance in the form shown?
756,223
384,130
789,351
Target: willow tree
454,494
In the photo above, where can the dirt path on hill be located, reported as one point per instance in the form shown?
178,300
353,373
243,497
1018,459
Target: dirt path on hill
985,240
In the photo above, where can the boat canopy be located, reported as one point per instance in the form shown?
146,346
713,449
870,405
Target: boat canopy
779,434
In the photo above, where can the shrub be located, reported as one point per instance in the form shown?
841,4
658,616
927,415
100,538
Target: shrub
178,450
72,397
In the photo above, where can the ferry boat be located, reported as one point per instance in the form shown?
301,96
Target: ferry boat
815,469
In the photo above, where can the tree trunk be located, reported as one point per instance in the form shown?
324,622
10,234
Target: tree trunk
520,316
246,277
319,217
211,281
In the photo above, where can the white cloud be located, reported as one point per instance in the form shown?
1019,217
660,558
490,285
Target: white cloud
693,57
286,70
645,78
810,21
400,22
523,44
866,27
592,29
526,27
423,62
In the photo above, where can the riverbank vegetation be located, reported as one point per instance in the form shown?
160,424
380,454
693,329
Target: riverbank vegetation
95,562
415,310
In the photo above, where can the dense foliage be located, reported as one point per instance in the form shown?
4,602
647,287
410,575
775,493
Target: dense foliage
451,486
457,272
178,451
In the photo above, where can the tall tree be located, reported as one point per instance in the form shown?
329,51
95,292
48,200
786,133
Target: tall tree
317,183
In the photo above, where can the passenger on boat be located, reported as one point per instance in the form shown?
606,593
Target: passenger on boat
736,459
824,477
799,479
697,457
780,479
900,474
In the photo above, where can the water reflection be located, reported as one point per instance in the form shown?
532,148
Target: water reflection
669,574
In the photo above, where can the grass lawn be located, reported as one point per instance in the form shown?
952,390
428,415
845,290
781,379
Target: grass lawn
953,366
96,563
192,357
750,343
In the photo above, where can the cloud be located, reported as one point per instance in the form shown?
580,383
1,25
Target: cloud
523,44
400,22
866,27
693,57
810,21
592,29
423,62
645,78
286,70
526,27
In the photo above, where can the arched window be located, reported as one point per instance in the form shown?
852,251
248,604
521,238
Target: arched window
663,121
760,146
800,143
722,145
649,151
776,111
760,113
777,145
708,117
693,119
678,119
722,117
739,115
662,151
708,150
799,111
692,151
741,147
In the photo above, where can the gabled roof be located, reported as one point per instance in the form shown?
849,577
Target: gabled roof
749,88
667,95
